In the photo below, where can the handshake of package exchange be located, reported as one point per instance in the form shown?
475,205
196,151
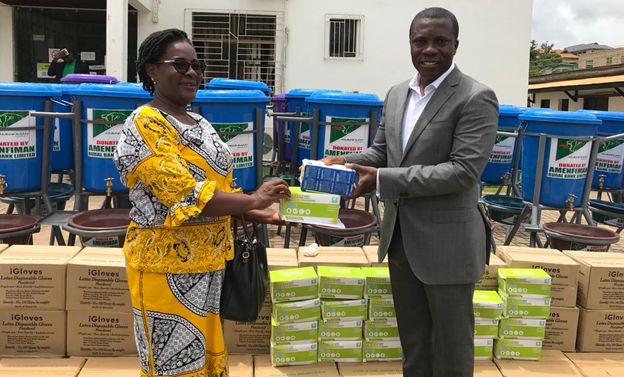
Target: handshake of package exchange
317,201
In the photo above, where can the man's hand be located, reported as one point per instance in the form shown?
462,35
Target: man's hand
331,160
264,216
367,179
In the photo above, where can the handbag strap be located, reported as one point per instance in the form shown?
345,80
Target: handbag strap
246,231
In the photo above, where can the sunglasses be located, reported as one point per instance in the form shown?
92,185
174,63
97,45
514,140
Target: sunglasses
181,66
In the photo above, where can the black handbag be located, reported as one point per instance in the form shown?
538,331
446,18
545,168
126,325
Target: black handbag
246,278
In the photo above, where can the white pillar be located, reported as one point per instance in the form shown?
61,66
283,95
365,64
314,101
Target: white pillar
117,39
6,43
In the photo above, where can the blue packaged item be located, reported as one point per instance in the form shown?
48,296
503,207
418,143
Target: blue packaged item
331,179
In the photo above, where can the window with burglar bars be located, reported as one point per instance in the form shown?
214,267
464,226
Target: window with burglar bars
343,36
238,46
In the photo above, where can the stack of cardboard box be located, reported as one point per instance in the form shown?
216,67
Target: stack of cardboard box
488,309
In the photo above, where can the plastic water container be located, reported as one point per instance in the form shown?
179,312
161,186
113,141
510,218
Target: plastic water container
21,150
109,103
62,155
611,153
234,84
344,108
232,112
501,158
81,78
281,106
566,161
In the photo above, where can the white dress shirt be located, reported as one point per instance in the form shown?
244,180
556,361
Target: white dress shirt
415,106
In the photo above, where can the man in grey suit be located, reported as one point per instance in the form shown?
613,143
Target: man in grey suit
434,140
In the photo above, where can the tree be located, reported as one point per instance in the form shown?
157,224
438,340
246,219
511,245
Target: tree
542,57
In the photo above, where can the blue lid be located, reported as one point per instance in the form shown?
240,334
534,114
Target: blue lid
220,83
509,110
299,93
605,115
341,98
28,89
79,78
555,116
230,96
109,90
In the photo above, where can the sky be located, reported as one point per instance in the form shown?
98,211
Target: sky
571,22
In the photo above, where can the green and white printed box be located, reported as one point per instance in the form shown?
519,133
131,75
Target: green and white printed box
340,282
487,304
533,328
486,328
293,333
382,350
379,308
310,207
526,306
524,281
343,309
296,311
293,284
518,349
377,282
483,348
340,351
341,329
381,329
294,354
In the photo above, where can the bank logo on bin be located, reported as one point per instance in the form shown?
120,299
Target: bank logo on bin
567,146
117,116
228,131
8,118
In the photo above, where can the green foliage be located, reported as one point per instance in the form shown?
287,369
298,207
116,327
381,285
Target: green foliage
542,57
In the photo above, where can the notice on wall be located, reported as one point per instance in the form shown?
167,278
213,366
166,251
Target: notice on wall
87,56
502,152
610,156
18,143
102,138
569,159
351,137
240,144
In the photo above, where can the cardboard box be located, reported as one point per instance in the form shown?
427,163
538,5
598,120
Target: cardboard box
598,364
344,309
293,284
380,308
483,348
553,363
340,350
377,282
331,179
340,282
310,207
381,329
371,254
100,333
3,247
489,280
263,368
341,329
278,259
525,328
97,280
600,279
33,276
562,269
486,368
240,365
561,328
252,338
41,367
487,304
486,328
524,281
386,369
518,349
334,256
296,311
27,333
382,350
111,366
526,306
294,354
293,333
600,331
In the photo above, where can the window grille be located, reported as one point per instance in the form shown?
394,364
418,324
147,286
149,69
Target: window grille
343,36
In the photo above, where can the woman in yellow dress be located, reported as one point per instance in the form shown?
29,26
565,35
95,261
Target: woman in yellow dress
179,173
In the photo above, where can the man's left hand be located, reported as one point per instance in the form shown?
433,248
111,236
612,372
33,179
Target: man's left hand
264,216
367,179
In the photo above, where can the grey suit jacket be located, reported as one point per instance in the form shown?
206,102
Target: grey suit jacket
433,185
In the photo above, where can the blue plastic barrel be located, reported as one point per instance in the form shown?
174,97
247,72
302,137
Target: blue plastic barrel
62,155
234,84
611,153
344,108
109,103
234,111
501,158
280,106
21,150
565,160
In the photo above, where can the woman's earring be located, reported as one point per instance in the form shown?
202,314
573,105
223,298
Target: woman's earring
154,81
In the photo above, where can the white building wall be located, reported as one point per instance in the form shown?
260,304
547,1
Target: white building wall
616,103
555,98
7,63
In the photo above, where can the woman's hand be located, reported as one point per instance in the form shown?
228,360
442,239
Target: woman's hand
270,192
264,216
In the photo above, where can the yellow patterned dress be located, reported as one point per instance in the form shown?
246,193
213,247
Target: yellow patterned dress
175,256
